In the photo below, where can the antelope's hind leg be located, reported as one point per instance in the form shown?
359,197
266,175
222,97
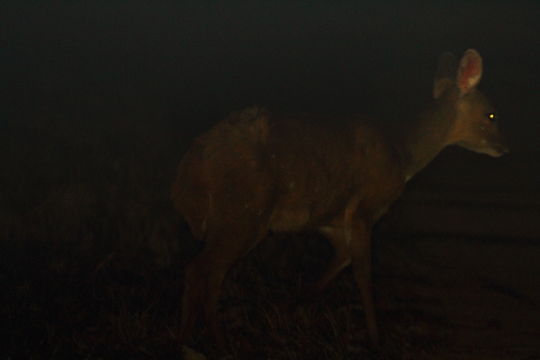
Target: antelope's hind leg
227,240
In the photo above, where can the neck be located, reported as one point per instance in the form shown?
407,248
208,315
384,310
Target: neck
428,136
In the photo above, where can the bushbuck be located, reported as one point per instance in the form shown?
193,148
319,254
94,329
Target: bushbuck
256,171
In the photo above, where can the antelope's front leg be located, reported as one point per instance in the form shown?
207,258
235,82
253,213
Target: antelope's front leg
361,263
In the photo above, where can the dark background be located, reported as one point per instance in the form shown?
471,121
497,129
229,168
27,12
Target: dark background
101,98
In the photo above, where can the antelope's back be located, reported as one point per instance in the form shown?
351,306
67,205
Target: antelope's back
299,171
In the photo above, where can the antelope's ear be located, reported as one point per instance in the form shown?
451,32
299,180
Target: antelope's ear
445,74
469,71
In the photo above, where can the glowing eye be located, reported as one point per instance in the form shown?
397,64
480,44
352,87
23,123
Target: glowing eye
491,116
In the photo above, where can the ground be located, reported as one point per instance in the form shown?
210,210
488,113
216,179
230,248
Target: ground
438,297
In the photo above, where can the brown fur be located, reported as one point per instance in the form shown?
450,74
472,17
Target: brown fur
256,171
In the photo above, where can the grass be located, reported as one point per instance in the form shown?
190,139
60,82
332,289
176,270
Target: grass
124,307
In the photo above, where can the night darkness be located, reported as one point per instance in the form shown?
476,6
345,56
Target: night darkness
101,99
